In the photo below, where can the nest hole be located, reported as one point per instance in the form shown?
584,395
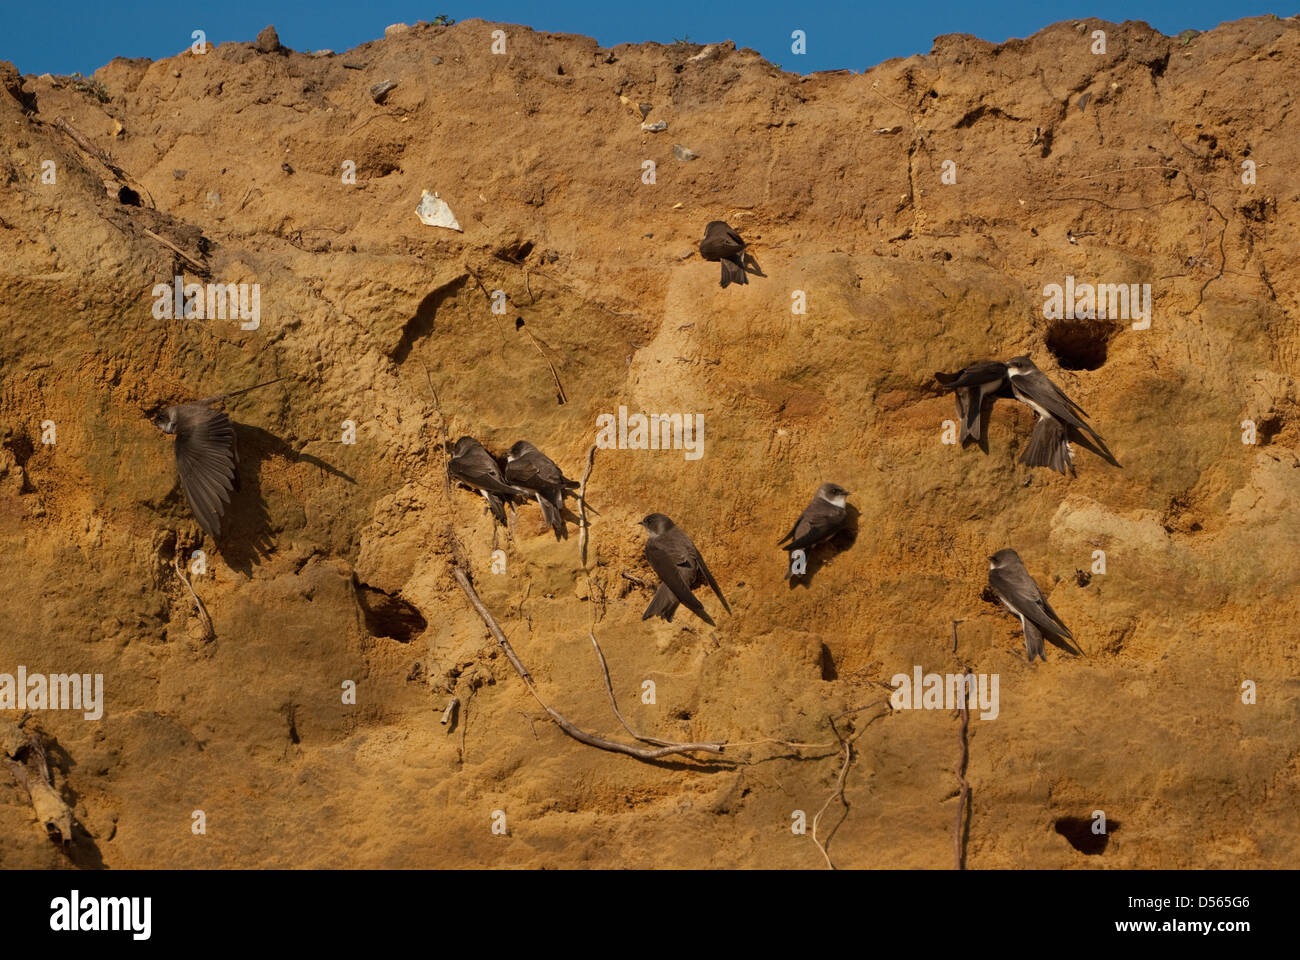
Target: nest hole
387,615
1079,344
1078,831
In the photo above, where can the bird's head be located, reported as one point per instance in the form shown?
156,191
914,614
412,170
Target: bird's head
1018,366
657,523
832,493
1003,558
162,416
521,448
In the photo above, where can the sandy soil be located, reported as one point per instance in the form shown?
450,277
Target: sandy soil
1123,167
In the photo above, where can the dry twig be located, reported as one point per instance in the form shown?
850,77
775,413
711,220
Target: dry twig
179,563
561,721
962,825
582,506
560,395
18,748
198,265
839,782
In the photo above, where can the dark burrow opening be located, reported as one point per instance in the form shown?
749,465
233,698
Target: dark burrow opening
1078,831
1079,344
1268,428
828,665
515,252
387,615
22,447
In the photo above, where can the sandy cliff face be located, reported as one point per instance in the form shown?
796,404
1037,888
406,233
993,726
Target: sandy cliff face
1122,167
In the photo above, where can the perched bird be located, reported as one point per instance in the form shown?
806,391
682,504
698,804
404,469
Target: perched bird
1048,447
526,466
820,519
1020,594
724,245
680,568
206,457
473,466
971,386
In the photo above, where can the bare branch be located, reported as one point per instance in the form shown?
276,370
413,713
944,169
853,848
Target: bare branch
178,562
582,506
961,827
561,721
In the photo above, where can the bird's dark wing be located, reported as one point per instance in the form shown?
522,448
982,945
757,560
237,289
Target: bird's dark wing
205,460
664,605
719,245
1022,593
819,521
536,471
1047,447
708,578
479,470
676,571
1096,445
988,371
1039,388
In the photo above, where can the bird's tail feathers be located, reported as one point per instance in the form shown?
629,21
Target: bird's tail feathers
733,272
663,605
494,504
554,518
1049,447
1033,640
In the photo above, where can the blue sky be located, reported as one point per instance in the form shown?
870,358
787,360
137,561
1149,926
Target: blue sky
82,35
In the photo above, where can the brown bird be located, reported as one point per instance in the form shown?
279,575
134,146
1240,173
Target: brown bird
820,520
206,457
680,568
724,245
473,466
1020,594
1048,445
526,466
972,385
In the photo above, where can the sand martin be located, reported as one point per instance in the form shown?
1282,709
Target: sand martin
820,519
526,466
680,568
206,456
971,386
1020,594
1032,387
473,466
724,245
